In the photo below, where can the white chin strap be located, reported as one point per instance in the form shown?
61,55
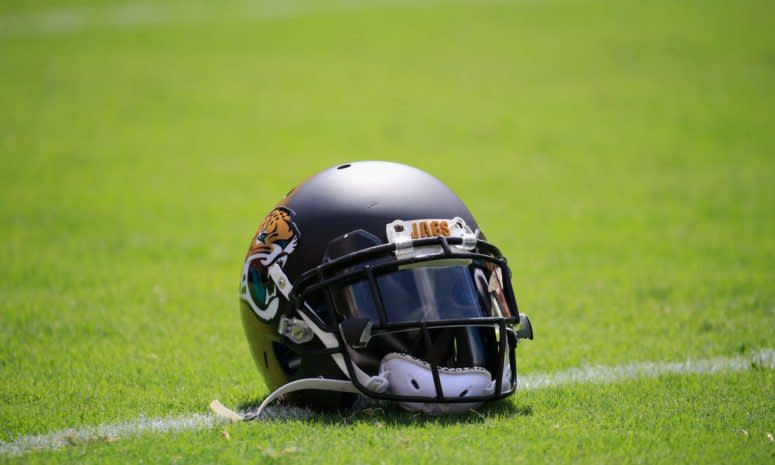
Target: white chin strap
402,375
399,374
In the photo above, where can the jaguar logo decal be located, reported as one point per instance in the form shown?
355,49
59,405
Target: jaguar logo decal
273,243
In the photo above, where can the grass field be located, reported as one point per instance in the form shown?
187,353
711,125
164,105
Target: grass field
620,153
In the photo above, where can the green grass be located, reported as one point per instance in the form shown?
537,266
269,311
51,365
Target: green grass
674,419
620,153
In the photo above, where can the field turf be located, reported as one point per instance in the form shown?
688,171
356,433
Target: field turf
621,154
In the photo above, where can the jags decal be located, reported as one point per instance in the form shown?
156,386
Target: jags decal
274,242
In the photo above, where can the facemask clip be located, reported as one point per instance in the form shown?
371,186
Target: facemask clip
295,330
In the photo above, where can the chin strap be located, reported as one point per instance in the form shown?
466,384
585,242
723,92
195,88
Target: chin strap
376,383
399,374
321,384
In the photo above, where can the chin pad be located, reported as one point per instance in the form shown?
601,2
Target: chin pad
409,376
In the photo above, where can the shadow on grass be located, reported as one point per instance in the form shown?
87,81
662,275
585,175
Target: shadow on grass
384,413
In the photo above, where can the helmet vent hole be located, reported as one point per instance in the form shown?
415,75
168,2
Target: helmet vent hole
463,394
341,167
415,384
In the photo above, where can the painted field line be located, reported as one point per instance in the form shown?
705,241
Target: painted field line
601,374
65,20
596,374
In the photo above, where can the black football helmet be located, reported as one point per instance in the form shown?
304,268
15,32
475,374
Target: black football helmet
373,278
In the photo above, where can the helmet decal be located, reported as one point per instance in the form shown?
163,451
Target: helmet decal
275,240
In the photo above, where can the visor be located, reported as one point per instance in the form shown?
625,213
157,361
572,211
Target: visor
432,291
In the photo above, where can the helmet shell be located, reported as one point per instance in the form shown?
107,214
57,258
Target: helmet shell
364,195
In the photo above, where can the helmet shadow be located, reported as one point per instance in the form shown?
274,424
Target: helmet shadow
384,413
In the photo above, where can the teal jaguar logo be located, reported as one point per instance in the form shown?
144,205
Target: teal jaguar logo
273,243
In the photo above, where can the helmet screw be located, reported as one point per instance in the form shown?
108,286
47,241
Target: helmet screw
398,227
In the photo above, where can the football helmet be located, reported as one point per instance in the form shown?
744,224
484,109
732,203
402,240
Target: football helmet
374,278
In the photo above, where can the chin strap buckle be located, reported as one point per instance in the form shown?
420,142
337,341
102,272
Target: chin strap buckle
294,329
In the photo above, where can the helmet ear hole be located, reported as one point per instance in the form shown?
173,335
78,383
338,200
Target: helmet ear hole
415,384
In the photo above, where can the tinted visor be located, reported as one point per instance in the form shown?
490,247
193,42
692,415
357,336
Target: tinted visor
434,291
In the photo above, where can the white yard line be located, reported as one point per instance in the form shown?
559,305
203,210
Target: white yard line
601,374
107,432
597,374
67,20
